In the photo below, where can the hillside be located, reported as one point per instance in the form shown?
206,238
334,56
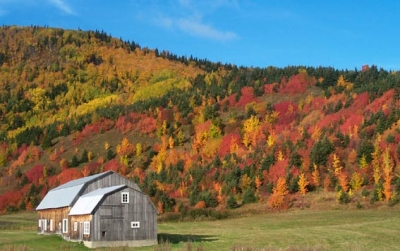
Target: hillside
192,133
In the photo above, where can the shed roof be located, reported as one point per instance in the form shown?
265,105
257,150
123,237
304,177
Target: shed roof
64,195
87,202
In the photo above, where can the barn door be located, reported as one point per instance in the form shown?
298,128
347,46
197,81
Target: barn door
80,230
42,223
112,229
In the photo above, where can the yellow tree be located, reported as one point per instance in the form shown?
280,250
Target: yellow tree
303,183
171,142
337,167
90,155
251,128
162,154
341,82
271,138
138,149
106,146
356,181
245,182
280,156
181,137
362,163
387,174
376,162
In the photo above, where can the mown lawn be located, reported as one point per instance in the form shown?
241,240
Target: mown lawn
364,229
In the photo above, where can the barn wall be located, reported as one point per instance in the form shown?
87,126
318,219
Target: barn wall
57,215
77,233
112,219
112,179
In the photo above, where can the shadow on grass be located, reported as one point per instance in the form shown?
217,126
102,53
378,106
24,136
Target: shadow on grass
176,238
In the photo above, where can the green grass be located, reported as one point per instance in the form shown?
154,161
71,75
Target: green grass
366,229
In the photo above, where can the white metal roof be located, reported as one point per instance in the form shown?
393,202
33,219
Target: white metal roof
64,195
86,203
59,198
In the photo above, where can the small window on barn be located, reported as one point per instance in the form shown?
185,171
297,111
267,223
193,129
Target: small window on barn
75,226
86,227
124,197
135,224
103,234
65,226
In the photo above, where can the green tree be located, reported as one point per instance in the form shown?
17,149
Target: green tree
365,148
231,202
249,196
320,152
84,157
110,154
75,162
209,199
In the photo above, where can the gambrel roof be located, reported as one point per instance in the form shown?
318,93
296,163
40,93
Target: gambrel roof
88,202
66,194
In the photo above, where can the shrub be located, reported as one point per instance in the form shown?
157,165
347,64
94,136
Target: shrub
200,204
365,192
377,193
343,197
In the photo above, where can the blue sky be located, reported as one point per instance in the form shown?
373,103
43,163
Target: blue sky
342,34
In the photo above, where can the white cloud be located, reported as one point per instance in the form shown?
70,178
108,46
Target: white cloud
197,28
188,15
164,22
208,5
62,5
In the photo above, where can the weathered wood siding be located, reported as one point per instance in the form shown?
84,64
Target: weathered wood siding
111,179
56,215
77,233
112,219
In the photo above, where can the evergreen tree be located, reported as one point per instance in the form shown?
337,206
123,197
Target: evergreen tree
209,199
320,152
75,161
231,202
249,196
110,154
84,157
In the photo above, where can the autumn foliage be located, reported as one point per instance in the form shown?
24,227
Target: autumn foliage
192,133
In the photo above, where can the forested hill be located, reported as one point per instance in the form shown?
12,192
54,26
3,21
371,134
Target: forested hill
192,133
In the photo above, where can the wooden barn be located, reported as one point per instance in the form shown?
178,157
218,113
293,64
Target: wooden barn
102,210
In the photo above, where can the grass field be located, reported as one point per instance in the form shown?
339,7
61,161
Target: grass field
364,229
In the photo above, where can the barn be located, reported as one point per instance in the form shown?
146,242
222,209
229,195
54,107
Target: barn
102,210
